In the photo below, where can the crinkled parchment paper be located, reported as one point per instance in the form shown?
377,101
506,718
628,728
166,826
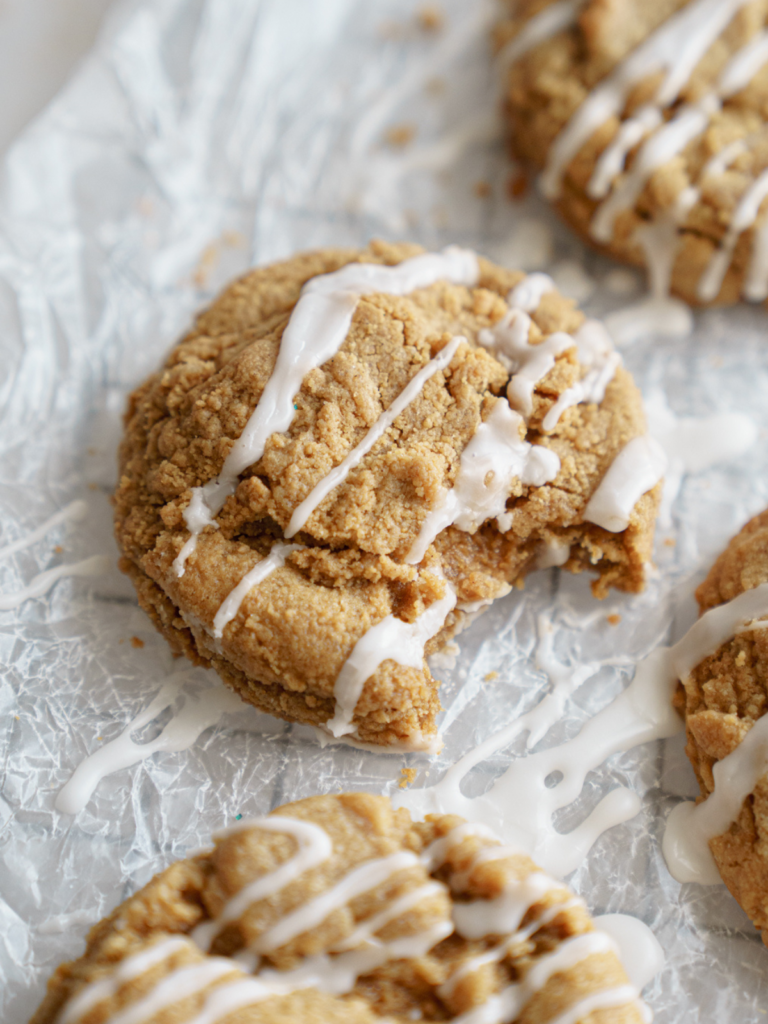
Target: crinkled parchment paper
199,138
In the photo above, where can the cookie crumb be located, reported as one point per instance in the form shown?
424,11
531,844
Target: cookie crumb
137,642
490,676
669,542
614,619
400,135
93,486
482,189
409,777
430,18
234,239
208,261
517,185
58,550
741,659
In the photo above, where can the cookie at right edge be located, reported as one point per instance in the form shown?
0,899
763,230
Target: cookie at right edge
647,121
724,698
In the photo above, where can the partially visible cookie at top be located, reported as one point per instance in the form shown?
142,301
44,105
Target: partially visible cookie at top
352,453
646,120
725,699
341,910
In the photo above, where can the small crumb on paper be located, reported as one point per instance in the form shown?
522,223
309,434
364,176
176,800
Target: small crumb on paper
409,777
430,18
400,135
669,542
517,185
137,642
435,86
58,550
490,676
614,619
482,189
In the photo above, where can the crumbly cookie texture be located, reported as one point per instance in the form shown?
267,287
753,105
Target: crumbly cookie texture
362,828
721,699
548,84
293,633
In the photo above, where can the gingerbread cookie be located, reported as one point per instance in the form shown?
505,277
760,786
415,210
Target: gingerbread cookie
724,697
352,452
338,908
647,121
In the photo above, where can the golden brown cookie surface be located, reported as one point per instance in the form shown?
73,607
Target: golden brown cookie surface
340,909
292,634
724,696
648,121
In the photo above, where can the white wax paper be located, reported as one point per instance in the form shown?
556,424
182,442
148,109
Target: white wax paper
199,138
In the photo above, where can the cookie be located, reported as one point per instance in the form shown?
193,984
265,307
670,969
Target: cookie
647,121
352,453
338,908
724,699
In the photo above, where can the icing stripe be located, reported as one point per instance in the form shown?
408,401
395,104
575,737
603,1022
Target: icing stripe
315,332
675,47
636,470
361,880
126,970
314,848
391,638
339,473
231,604
554,18
489,464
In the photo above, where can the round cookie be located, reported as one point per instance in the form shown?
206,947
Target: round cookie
339,908
518,440
723,699
647,121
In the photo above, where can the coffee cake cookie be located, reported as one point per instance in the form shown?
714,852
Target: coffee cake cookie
352,453
338,908
724,700
647,121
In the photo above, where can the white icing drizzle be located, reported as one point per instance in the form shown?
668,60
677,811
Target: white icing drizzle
73,512
391,638
607,999
744,217
360,880
339,473
314,848
690,826
225,999
365,932
553,554
552,19
436,854
640,950
502,915
675,47
96,565
129,968
659,149
694,444
522,806
197,714
498,952
176,986
596,353
636,469
508,1004
315,332
489,464
231,604
527,295
530,363
665,142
